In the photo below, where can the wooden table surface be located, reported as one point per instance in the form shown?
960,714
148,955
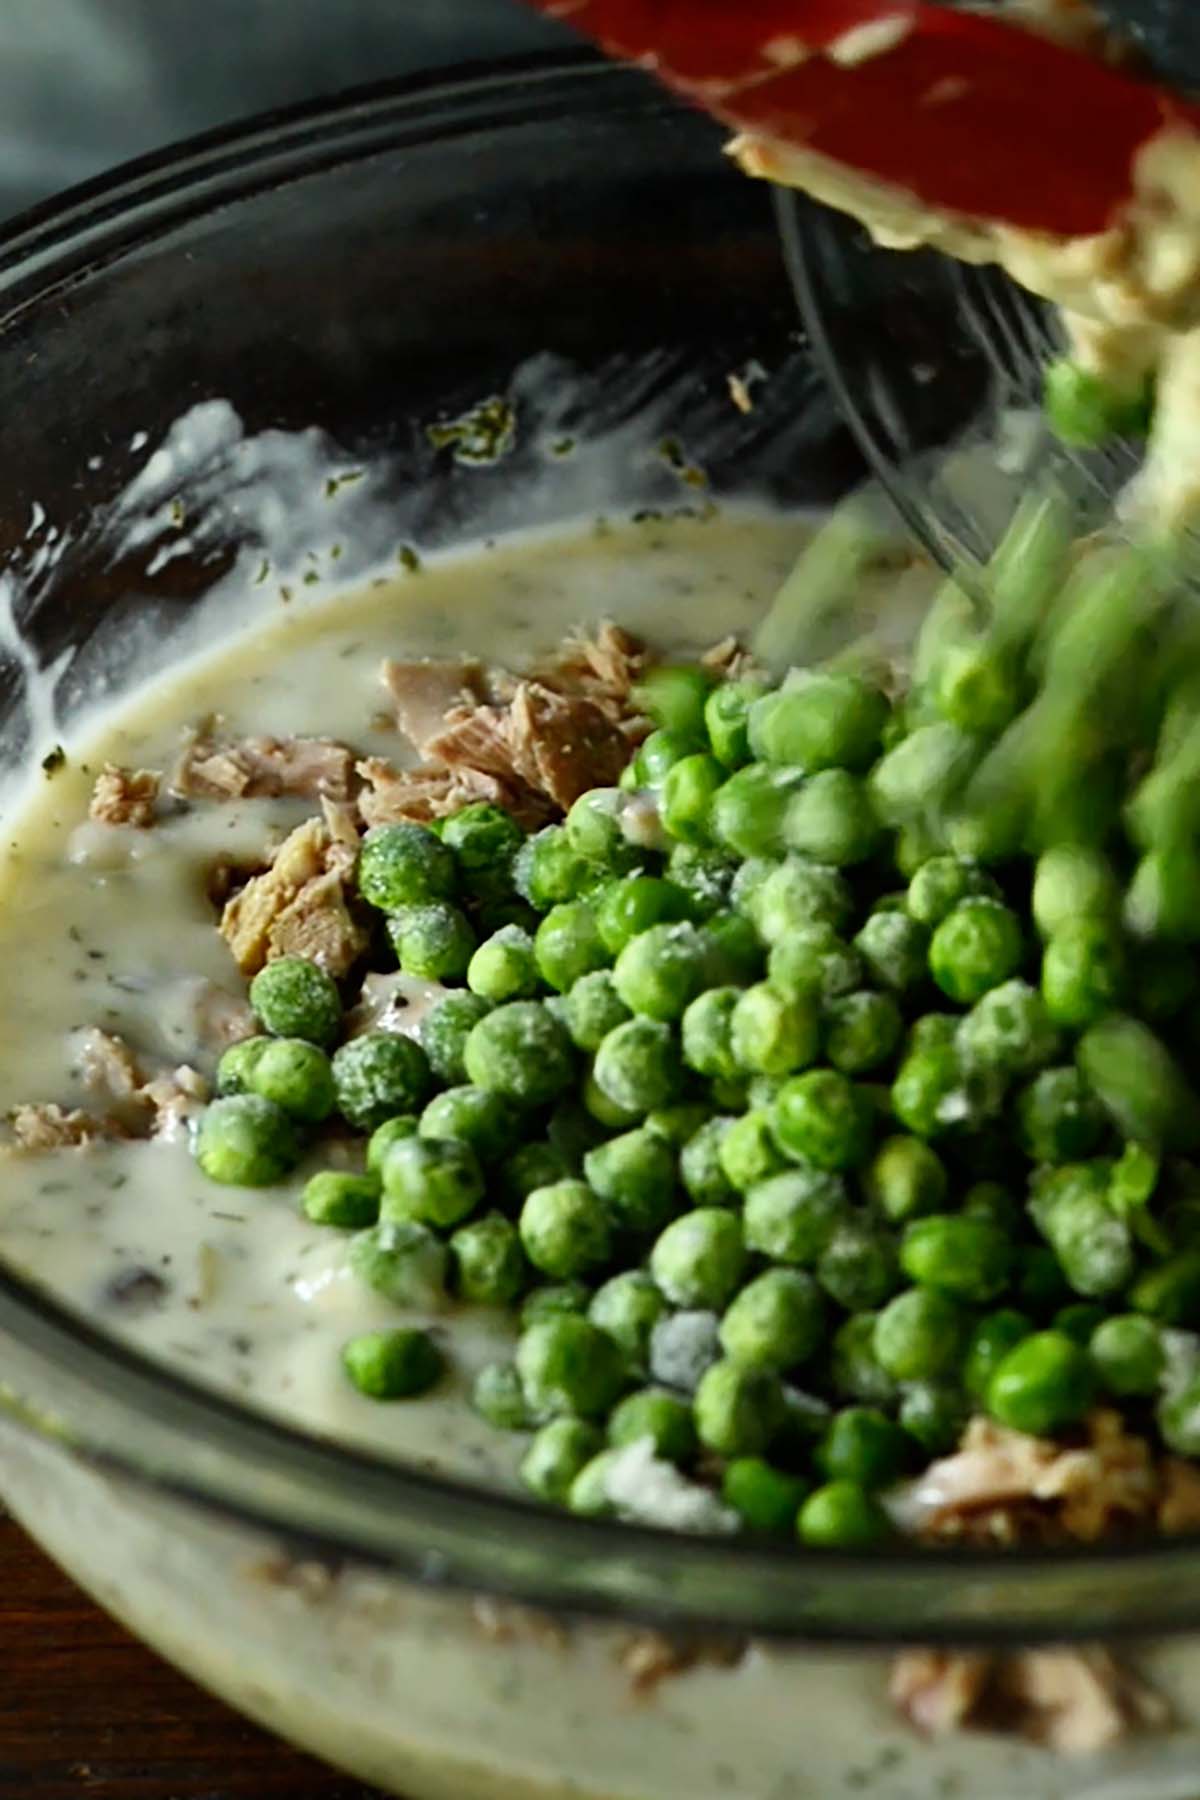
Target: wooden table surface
87,1714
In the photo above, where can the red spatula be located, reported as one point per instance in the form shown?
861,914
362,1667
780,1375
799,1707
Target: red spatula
969,113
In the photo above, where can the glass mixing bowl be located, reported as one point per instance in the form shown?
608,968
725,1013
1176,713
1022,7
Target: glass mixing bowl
195,354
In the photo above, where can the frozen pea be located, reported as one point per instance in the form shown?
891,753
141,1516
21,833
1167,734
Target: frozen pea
521,1052
401,1260
792,1217
333,1197
393,1365
700,1258
569,1366
738,1410
635,1174
296,998
566,1230
435,1181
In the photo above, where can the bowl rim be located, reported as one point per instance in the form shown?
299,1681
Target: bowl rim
134,1418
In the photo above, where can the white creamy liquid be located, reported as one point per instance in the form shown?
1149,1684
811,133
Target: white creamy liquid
403,1684
110,926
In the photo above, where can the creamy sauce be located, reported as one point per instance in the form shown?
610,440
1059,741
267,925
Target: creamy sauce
110,926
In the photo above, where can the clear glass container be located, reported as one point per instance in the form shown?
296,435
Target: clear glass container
341,276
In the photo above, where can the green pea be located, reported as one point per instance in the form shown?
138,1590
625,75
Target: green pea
444,1033
688,792
732,952
534,1165
1092,1245
660,1416
296,998
393,1365
548,869
858,1267
434,942
556,1456
855,1372
862,1031
295,1075
894,949
676,1124
568,945
485,840
970,1259
592,1008
727,720
638,1066
569,1366
504,967
862,1445
659,973
933,1413
842,1516
435,1181
392,1131
627,1307
940,883
1073,881
815,960
975,948
793,1217
819,721
1041,1386
237,1065
924,774
832,819
499,1397
488,1261
521,1052
749,812
405,865
906,1179
553,1299
1084,971
704,876
1139,1083
738,1410
798,895
699,1259
773,1032
595,827
1059,1119
1170,1292
566,1230
919,1335
822,1118
766,1498
626,908
707,1029
332,1197
700,1170
674,695
659,754
246,1141
1009,1030
635,1174
776,1322
475,1116
401,1260
377,1077
1178,1417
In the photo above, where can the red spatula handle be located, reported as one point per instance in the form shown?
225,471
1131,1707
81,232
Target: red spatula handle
969,113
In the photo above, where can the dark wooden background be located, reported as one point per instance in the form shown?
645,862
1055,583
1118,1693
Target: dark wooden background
87,1714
